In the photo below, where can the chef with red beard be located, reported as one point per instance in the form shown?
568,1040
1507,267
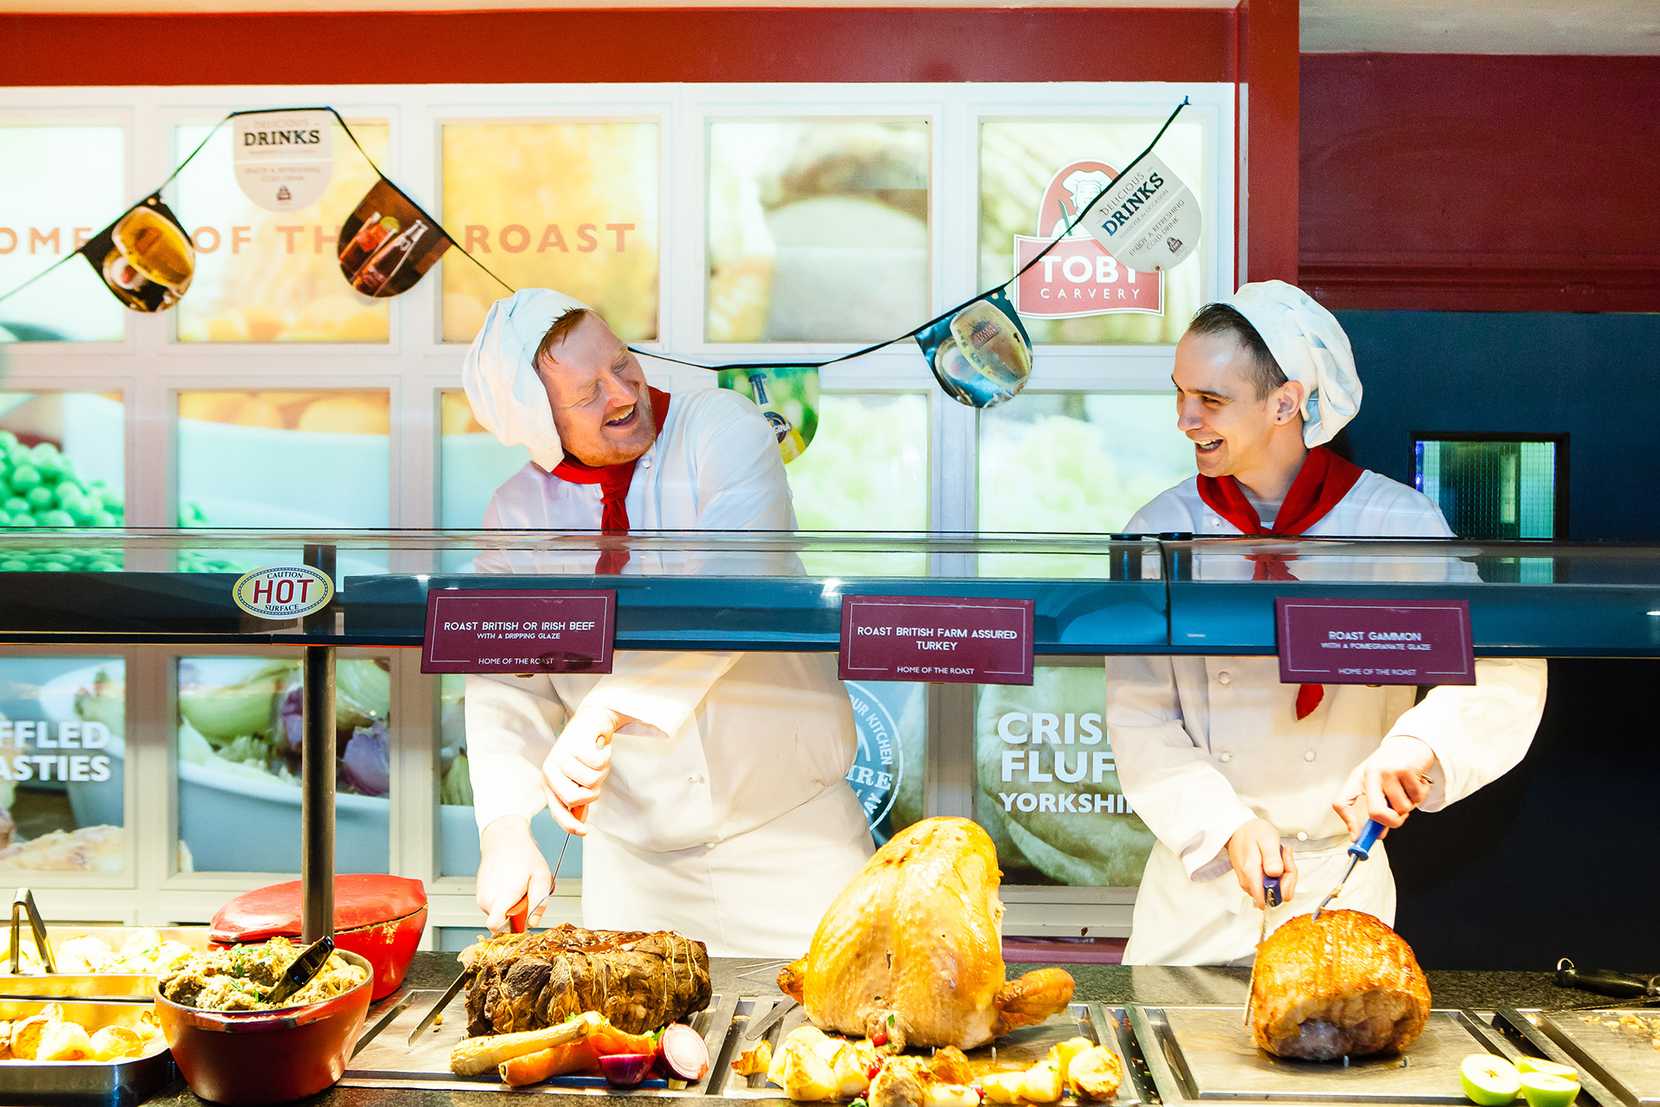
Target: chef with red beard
713,782
1238,775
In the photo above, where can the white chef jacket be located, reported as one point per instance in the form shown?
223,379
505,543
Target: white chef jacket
730,791
1205,744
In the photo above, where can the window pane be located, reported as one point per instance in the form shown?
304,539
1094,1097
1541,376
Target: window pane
1047,783
62,751
1019,160
571,206
866,469
239,740
472,463
268,276
1074,462
61,462
457,828
818,230
78,185
334,440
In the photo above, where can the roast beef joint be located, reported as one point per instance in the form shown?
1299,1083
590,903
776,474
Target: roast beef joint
640,982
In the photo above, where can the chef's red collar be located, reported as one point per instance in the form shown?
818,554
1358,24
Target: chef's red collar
614,482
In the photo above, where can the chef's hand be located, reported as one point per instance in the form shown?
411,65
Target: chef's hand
1255,851
1387,786
578,764
510,866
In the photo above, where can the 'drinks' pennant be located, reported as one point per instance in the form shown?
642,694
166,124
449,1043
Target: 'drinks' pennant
1148,219
144,257
388,243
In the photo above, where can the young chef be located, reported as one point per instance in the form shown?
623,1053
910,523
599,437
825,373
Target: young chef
722,810
1238,775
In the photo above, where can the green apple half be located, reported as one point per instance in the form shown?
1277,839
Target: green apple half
1489,1081
1542,1089
1539,1064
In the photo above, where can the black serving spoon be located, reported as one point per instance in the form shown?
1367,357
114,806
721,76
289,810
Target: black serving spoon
308,964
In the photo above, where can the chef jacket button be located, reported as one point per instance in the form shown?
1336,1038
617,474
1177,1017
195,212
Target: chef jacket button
646,462
1225,756
1224,677
696,778
1302,835
1308,755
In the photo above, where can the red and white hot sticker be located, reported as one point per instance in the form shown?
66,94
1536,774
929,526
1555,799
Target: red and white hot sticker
283,592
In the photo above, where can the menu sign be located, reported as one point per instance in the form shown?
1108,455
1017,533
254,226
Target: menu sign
1374,641
936,638
491,631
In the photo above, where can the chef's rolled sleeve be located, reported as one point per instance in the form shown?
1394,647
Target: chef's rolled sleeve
660,690
1168,778
511,724
1478,731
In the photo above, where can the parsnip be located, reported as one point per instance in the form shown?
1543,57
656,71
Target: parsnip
476,1056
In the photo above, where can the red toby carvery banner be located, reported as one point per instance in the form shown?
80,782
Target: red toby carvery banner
1078,277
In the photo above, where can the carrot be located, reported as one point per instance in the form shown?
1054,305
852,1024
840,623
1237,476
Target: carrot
533,1068
473,1056
606,1039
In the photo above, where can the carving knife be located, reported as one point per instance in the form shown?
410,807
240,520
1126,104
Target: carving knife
1271,897
518,917
1633,990
1359,850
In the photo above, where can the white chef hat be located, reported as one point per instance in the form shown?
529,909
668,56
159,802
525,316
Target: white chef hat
1311,348
500,376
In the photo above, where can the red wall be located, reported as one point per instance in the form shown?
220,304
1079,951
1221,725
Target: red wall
678,44
1255,45
1481,183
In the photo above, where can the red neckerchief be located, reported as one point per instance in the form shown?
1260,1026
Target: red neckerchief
1321,484
614,482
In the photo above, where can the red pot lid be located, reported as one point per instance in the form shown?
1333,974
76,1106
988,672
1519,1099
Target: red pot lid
360,899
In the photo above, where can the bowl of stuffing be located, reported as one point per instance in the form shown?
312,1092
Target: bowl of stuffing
233,1046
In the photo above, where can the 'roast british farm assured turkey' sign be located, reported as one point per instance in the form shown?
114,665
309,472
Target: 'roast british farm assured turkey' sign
936,638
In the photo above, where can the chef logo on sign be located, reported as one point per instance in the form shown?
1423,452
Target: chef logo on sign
1078,277
877,766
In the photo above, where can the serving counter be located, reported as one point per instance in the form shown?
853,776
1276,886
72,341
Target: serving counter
1480,994
1090,597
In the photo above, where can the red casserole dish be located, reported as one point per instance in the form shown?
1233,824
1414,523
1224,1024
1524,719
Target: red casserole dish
254,1057
377,916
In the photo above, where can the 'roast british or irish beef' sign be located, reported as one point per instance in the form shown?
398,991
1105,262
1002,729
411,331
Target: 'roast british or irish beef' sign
495,631
1374,641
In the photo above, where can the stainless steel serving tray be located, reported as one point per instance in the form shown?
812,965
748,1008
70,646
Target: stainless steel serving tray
114,986
1205,1054
385,1059
1090,1020
1615,1050
83,1083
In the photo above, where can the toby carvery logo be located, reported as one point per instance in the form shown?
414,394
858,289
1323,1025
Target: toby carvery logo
1116,220
310,136
1078,277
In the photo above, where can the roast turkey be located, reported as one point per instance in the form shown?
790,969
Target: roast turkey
911,950
1342,985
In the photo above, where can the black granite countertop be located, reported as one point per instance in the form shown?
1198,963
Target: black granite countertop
1112,984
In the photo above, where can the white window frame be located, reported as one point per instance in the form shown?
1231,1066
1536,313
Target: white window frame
148,367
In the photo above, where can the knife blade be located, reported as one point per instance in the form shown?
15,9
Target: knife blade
771,1019
1359,850
518,917
1271,897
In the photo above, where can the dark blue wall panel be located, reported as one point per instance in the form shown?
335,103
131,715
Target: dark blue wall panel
1594,377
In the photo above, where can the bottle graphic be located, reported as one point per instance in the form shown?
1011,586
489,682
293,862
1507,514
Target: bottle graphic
375,230
377,273
790,443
